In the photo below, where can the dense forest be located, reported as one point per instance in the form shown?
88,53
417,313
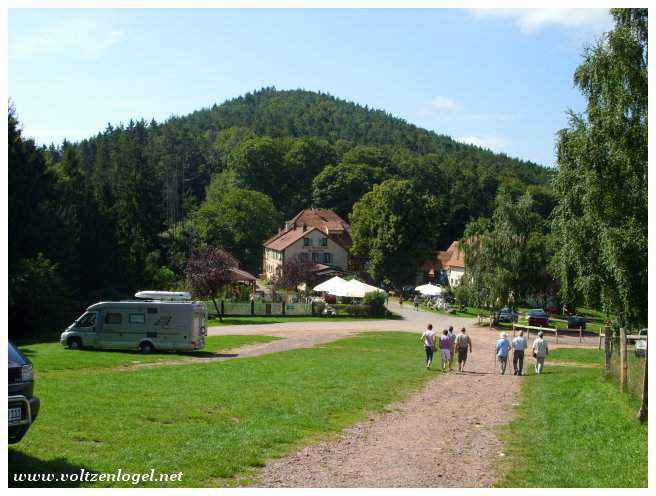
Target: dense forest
123,210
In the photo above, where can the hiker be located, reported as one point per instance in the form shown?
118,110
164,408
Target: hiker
428,338
445,345
540,351
452,346
463,344
519,344
502,348
417,301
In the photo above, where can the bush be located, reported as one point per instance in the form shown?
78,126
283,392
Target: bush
376,301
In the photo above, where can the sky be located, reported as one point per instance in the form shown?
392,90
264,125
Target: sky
501,79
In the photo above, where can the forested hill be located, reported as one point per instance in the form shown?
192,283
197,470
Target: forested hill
122,210
300,113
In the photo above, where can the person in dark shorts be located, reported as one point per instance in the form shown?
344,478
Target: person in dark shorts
463,346
428,338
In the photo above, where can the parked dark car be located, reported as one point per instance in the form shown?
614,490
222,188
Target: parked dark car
506,315
576,322
23,405
538,318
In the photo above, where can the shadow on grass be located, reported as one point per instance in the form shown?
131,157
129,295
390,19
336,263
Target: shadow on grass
28,352
20,465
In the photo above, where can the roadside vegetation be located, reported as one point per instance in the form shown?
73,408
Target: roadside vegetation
224,418
574,429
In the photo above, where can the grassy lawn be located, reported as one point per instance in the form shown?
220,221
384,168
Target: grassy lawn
575,429
216,420
467,312
272,319
47,357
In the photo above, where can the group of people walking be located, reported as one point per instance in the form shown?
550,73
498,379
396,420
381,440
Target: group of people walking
451,345
518,346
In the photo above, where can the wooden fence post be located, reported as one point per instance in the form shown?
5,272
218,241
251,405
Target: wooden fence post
556,335
623,356
642,413
580,334
607,343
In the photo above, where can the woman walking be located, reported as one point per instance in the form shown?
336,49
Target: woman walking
445,350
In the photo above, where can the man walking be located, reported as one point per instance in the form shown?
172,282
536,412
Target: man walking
452,346
428,338
417,301
540,351
519,344
463,344
502,349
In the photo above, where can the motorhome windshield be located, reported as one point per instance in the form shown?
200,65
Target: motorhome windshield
86,320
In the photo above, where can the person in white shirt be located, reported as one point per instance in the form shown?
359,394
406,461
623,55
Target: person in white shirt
428,338
519,345
540,351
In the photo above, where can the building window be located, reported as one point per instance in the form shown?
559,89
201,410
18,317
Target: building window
315,257
323,241
304,257
327,258
307,241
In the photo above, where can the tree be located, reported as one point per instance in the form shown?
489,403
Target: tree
293,272
395,227
208,272
505,254
339,187
600,218
240,220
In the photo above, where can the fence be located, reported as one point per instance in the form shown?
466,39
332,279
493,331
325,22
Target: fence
626,365
235,308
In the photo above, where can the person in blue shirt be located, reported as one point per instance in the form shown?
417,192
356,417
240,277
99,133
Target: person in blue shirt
502,349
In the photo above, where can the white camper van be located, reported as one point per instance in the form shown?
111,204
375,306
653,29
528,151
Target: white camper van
158,320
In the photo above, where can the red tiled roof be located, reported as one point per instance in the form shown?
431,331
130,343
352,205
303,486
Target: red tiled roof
452,257
327,221
285,239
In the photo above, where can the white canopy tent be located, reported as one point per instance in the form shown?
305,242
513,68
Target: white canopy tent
358,289
331,286
429,290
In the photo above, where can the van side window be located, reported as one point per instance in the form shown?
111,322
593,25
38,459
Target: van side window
113,318
137,318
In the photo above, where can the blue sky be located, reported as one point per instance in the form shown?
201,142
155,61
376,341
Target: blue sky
498,78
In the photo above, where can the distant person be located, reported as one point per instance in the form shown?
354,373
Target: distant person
417,301
502,348
463,344
428,338
445,345
452,346
540,352
519,345
401,299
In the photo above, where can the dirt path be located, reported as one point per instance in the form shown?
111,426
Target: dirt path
442,436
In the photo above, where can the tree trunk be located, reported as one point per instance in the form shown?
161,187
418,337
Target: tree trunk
218,312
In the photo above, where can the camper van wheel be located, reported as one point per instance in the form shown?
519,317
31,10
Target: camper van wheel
74,343
146,347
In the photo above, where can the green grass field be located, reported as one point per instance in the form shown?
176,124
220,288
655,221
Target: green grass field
575,429
48,357
216,420
272,319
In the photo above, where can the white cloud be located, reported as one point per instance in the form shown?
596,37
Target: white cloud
443,103
594,21
494,143
79,36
